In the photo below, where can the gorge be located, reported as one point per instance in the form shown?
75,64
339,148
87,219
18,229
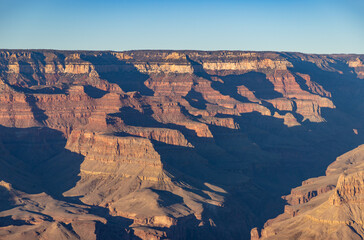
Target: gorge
159,144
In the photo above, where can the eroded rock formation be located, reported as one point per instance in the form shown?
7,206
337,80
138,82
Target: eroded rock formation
327,207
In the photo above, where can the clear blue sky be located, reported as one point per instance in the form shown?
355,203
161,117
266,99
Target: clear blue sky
311,26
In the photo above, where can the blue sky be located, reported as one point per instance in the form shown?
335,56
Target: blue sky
311,26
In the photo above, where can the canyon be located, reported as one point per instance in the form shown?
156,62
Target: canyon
169,144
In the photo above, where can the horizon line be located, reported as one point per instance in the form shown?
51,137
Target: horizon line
172,50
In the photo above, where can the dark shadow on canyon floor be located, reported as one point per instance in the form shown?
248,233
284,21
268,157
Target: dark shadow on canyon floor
124,74
195,99
254,81
94,92
8,221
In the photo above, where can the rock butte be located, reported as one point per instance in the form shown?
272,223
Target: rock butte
179,145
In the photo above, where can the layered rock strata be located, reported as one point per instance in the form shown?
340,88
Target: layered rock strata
169,144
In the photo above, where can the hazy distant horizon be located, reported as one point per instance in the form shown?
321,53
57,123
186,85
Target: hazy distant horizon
171,50
317,27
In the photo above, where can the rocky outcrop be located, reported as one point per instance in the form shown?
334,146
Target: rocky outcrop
327,207
349,189
358,65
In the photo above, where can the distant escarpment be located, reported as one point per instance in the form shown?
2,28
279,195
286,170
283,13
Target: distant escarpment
173,144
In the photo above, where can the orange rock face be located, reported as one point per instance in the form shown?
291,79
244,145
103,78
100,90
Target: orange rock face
171,144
